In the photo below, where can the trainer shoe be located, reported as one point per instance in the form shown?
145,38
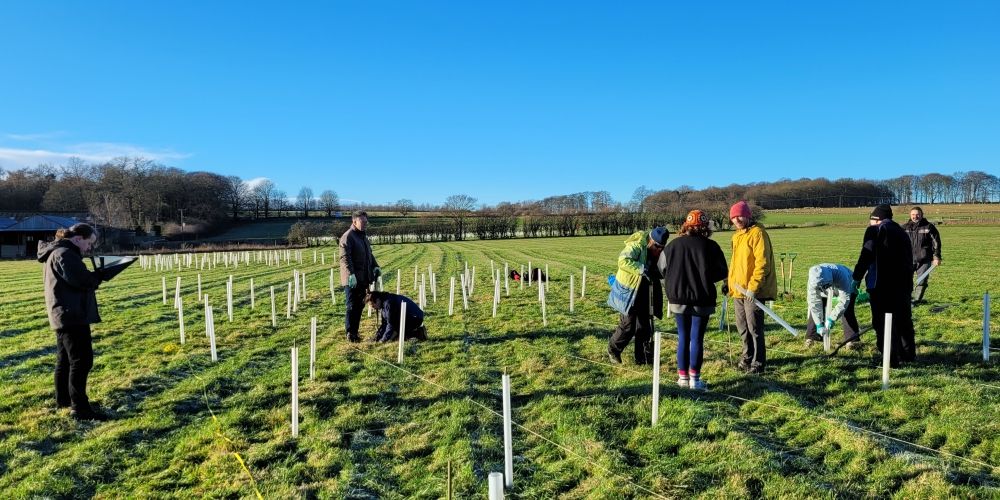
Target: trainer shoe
697,384
683,382
614,357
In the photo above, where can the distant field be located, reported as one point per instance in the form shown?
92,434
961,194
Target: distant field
946,214
370,430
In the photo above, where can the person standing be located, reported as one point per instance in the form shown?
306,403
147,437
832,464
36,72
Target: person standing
358,270
752,269
637,294
71,302
925,242
830,279
389,306
886,265
693,264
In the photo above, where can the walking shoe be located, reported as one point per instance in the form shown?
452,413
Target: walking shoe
743,366
810,342
353,338
697,384
683,382
854,346
614,357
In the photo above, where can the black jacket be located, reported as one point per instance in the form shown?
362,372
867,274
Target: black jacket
694,264
69,285
886,259
924,240
389,329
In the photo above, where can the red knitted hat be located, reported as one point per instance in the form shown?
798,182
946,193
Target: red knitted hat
740,209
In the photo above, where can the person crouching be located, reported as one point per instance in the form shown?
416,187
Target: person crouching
389,306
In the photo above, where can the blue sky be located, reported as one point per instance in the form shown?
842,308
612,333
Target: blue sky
505,100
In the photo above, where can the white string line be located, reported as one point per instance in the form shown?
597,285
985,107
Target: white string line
522,427
806,412
869,362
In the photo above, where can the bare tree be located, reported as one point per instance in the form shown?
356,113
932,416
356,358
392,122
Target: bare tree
236,195
263,194
404,206
329,202
305,200
458,207
639,198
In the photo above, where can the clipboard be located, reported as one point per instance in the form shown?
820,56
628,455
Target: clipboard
110,265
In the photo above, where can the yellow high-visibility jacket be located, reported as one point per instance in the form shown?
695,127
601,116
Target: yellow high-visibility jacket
753,264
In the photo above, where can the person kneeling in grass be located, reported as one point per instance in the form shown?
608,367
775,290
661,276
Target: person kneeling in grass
828,279
693,265
389,306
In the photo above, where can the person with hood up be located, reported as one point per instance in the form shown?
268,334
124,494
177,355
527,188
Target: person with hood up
389,306
358,270
886,265
637,294
693,264
826,280
752,269
71,302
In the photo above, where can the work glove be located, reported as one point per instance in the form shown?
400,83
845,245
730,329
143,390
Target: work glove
829,323
750,295
352,281
725,288
377,272
822,331
855,286
863,297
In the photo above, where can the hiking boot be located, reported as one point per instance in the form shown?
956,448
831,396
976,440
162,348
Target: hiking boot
697,384
614,357
354,339
683,382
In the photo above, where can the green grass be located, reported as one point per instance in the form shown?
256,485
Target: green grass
371,430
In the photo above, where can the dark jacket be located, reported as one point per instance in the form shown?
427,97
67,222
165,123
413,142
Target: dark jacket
886,259
924,240
389,329
69,285
356,258
694,264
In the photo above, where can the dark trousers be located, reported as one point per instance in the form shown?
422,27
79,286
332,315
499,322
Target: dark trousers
74,359
690,343
355,305
903,344
750,323
919,289
637,323
849,322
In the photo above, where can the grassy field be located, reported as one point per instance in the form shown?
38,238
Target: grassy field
810,427
941,214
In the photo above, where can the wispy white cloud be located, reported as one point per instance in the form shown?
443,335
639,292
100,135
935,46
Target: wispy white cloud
44,136
93,152
256,181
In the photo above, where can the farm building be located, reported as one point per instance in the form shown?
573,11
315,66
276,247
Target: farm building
19,238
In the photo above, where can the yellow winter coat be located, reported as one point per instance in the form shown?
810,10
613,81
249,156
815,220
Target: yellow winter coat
753,264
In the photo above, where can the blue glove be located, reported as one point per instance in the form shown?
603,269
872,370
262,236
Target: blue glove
352,281
611,279
829,323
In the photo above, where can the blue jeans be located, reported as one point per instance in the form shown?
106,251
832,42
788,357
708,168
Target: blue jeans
690,343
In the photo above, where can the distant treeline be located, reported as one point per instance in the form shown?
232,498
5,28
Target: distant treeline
134,193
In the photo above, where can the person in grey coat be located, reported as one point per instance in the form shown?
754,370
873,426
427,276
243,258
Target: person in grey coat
71,302
358,270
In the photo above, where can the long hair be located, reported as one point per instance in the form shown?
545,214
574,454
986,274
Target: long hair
85,231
